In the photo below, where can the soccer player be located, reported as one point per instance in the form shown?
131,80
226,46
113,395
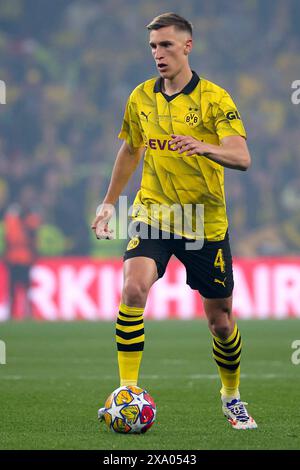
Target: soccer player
189,129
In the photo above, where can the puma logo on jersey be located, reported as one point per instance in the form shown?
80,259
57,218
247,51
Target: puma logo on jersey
217,281
145,115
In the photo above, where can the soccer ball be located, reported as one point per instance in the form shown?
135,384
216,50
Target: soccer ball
129,410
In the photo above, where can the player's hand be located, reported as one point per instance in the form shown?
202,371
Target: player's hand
104,213
189,145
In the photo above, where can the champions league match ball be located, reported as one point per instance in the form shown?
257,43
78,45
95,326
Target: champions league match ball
129,410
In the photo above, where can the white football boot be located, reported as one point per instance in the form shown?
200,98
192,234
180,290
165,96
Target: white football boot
236,413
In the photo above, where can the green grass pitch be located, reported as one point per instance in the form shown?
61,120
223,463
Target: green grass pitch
58,374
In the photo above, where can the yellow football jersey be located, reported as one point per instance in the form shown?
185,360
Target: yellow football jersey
203,110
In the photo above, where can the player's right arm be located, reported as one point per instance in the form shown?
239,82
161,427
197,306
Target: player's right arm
125,165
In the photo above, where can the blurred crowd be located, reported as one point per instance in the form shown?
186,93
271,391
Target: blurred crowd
69,66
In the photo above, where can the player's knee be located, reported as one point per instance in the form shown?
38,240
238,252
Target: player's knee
135,292
220,324
221,331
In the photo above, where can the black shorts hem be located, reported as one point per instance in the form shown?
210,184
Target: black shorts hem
210,292
160,268
214,295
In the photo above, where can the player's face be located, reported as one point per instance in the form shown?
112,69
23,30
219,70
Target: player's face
170,48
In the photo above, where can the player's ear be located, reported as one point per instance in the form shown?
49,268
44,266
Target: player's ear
188,46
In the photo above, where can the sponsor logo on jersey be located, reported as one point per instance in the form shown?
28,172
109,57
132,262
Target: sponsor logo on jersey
233,115
160,144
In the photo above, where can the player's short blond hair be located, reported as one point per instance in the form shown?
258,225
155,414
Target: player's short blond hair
170,19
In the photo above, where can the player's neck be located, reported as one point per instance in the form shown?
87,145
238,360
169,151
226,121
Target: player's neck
176,84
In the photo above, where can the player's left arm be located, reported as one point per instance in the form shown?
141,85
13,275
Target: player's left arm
232,152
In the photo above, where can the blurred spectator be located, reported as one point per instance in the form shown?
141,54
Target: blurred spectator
69,69
21,222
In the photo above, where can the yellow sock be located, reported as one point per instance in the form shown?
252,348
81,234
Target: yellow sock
130,343
227,354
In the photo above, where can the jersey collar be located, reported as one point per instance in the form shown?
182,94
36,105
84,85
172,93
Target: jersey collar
189,87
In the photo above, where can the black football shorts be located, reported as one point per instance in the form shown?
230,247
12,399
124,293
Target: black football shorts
208,269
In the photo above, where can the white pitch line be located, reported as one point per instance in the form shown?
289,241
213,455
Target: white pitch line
187,377
173,361
11,377
146,377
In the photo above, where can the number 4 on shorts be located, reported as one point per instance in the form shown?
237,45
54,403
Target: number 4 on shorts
219,261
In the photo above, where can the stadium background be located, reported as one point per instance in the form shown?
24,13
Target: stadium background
68,67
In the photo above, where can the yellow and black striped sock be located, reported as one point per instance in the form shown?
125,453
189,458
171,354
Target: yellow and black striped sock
227,354
130,343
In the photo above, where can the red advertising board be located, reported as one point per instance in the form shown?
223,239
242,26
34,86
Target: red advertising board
88,289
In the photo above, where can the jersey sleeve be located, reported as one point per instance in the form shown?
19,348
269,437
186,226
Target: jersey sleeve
228,120
130,130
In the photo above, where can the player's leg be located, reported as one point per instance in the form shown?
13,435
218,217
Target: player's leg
145,261
140,273
209,270
227,347
226,343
